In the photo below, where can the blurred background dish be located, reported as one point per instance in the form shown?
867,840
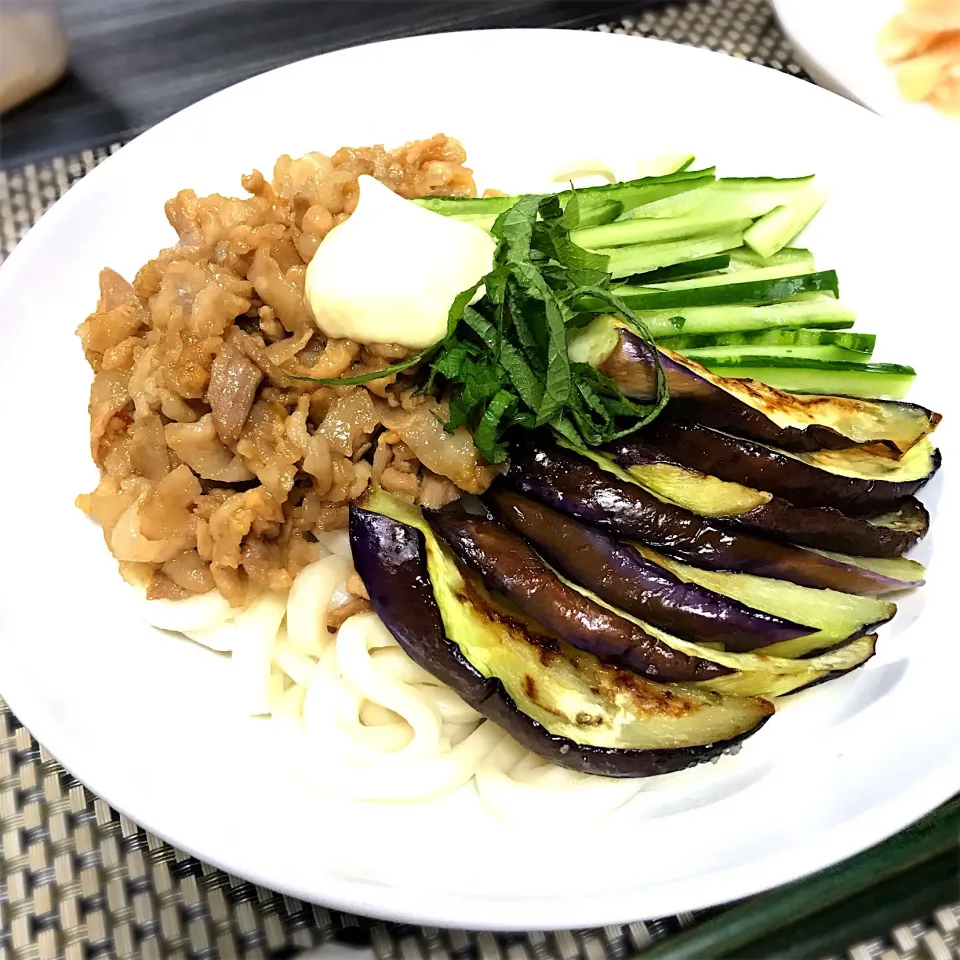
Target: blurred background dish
841,42
33,50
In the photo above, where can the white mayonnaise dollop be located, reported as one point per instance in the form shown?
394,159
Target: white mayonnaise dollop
390,273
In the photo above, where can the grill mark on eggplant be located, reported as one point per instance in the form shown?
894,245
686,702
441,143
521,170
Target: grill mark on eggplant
507,565
569,483
390,558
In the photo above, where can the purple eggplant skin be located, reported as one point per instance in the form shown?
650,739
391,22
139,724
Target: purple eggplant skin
506,564
822,528
572,485
617,573
694,398
390,558
743,461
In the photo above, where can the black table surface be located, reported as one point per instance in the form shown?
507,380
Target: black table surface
135,62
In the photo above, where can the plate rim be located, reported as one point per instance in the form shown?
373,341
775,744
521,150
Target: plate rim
843,840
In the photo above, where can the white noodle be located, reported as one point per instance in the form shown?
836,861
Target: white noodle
309,600
363,720
254,631
298,667
336,541
354,641
202,612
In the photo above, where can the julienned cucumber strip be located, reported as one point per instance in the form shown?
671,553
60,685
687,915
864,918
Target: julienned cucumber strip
632,196
743,258
717,355
613,191
679,271
758,291
733,197
450,206
626,232
467,206
775,230
747,341
596,214
775,272
630,193
820,313
625,261
799,375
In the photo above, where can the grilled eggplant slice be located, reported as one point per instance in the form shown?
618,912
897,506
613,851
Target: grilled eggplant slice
855,481
747,407
762,674
563,704
507,565
837,616
618,574
574,485
825,528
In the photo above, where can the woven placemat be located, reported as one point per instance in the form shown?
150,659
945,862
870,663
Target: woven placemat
79,881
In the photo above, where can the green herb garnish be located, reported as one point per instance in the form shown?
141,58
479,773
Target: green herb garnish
505,358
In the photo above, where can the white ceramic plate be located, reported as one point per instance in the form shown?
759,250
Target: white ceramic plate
835,41
143,717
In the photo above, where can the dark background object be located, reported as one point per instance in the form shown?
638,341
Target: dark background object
135,62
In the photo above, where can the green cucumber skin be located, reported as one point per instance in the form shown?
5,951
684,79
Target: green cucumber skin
637,196
860,343
666,323
760,291
450,206
625,261
744,196
739,275
630,193
867,380
466,206
684,271
608,190
717,355
625,233
599,214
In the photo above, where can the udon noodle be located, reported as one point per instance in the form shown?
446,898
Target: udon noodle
365,721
